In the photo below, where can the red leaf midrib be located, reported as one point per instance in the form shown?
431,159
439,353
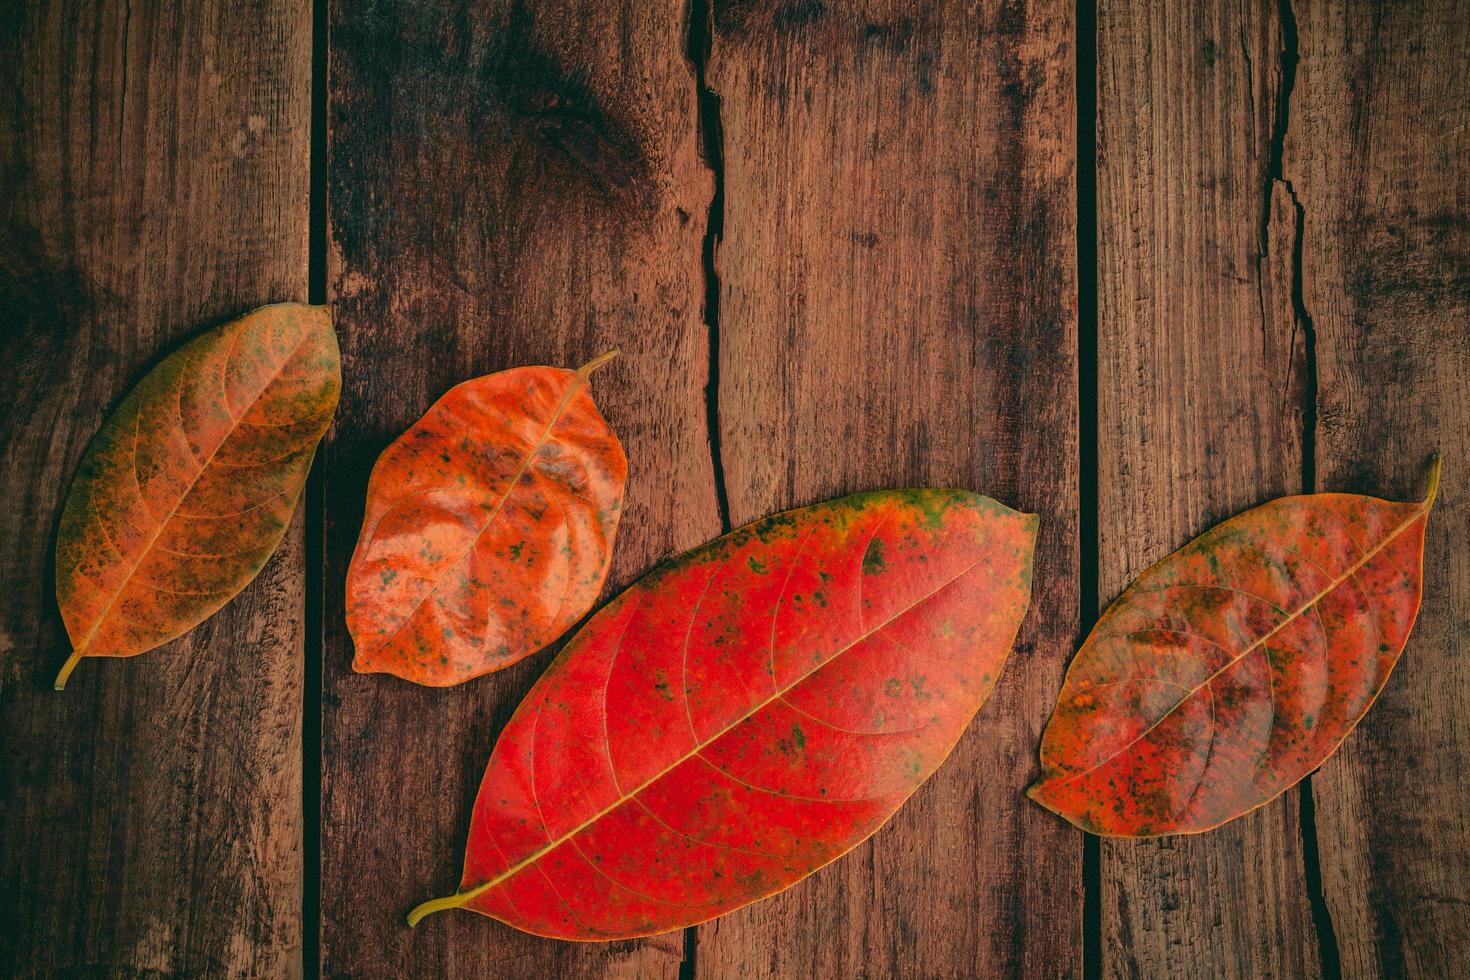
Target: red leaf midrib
699,747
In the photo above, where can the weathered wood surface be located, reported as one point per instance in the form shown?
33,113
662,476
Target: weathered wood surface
1201,380
896,309
876,200
1247,333
154,163
509,184
1376,153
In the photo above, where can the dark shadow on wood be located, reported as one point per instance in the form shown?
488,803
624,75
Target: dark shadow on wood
315,504
1087,517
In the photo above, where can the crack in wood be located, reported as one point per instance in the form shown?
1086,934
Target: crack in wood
711,141
1303,323
700,42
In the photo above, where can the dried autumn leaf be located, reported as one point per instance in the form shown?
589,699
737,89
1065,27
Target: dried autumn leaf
1235,666
488,527
189,487
746,714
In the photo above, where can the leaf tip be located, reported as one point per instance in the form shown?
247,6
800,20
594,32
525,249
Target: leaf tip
67,668
1434,468
586,369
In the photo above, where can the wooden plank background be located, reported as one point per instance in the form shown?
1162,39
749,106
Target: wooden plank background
1376,153
895,276
1132,266
156,178
506,187
1201,385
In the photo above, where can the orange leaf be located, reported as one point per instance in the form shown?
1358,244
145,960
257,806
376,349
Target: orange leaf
1234,667
189,487
488,527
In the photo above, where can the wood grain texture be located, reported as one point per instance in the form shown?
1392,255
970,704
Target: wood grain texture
897,308
1376,153
153,181
509,184
1200,388
1284,304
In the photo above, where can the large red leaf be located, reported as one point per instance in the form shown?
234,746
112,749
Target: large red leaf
745,714
488,527
1234,667
190,485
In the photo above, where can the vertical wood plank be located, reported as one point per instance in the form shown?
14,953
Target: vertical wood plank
897,308
1376,152
1200,389
153,180
509,184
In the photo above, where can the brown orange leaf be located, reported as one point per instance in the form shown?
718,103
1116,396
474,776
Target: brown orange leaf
488,527
188,488
1235,666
